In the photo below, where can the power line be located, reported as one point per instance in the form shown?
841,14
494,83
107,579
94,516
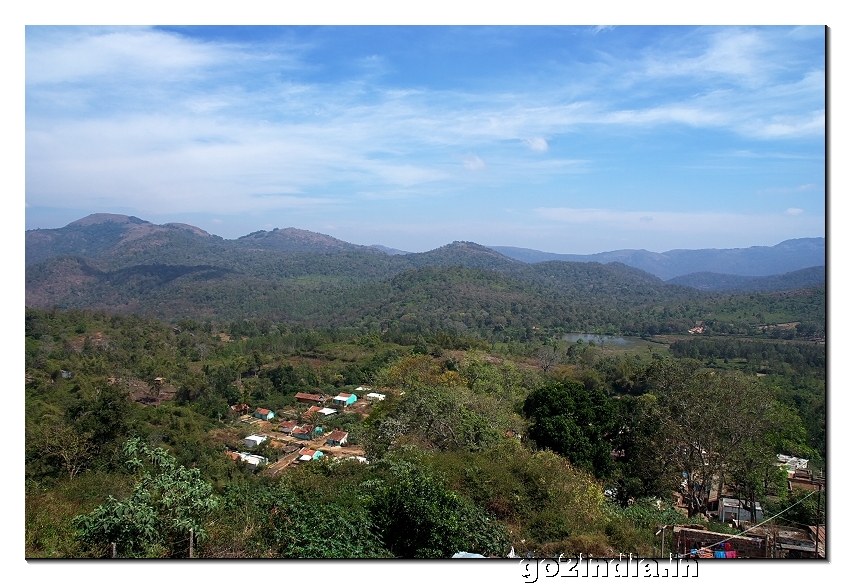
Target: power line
764,521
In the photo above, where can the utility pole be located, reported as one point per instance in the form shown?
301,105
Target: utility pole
817,525
114,551
191,542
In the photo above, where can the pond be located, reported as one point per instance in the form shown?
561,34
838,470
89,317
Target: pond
598,339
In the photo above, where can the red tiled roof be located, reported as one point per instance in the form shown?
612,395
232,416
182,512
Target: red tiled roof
289,425
262,411
305,430
337,435
233,455
306,451
343,395
314,409
308,396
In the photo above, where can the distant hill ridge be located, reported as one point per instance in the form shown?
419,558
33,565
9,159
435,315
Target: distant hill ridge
127,265
787,256
124,240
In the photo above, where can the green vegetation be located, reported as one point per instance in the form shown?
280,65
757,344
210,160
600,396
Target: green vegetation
541,444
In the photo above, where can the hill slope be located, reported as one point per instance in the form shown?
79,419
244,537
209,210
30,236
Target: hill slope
809,277
787,256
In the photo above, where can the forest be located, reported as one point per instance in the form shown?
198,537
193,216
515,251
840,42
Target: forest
483,442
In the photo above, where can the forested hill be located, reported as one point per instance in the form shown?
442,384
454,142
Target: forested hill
126,265
809,277
786,256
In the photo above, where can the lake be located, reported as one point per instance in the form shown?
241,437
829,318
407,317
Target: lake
598,339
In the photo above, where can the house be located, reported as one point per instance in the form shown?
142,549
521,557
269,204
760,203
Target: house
307,432
309,398
337,437
159,381
253,441
241,409
261,413
689,541
287,426
372,397
312,411
345,399
361,388
316,410
803,479
790,463
732,508
307,454
253,461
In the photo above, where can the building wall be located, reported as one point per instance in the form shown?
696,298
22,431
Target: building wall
747,547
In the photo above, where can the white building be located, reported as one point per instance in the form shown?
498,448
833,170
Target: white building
730,508
253,441
372,397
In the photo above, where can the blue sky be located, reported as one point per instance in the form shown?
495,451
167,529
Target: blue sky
564,139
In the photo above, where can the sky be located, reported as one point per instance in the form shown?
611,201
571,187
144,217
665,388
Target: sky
568,139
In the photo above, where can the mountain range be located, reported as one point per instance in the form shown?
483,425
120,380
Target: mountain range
784,257
125,264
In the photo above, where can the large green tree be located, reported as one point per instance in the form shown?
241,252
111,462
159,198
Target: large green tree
418,516
720,427
573,421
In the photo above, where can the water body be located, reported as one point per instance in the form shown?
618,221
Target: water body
598,339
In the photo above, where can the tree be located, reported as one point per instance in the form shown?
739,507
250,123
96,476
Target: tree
155,520
546,358
73,449
275,521
419,517
639,470
717,425
572,421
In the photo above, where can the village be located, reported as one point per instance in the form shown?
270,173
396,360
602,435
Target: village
298,432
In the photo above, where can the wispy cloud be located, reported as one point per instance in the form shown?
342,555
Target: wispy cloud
150,119
669,222
537,144
787,189
473,162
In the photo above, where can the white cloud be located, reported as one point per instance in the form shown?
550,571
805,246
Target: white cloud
473,162
536,144
787,189
674,223
794,212
70,55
